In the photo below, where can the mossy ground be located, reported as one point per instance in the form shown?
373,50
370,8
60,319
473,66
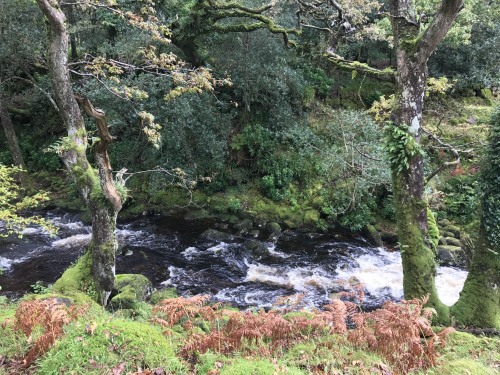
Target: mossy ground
99,341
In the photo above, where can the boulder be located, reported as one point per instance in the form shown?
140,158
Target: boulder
453,241
244,226
257,248
215,235
448,255
132,288
453,229
372,235
274,229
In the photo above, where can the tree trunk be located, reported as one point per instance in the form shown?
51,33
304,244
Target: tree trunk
479,303
419,266
97,189
413,49
10,135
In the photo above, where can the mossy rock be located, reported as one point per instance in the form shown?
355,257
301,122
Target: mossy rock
244,226
456,231
450,255
215,235
257,248
76,278
453,241
273,228
372,235
311,217
160,295
134,344
132,288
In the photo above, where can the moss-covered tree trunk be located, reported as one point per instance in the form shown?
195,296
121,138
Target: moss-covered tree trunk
10,135
413,49
479,303
96,187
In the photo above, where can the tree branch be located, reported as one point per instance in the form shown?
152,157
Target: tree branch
438,27
387,74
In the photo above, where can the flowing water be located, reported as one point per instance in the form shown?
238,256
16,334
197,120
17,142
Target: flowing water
171,253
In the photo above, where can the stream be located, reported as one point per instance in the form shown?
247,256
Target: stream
244,270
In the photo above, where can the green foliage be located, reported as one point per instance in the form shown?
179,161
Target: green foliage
490,183
400,146
319,80
39,288
13,203
462,198
433,230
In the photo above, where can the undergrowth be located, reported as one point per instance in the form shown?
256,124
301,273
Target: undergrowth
399,333
194,336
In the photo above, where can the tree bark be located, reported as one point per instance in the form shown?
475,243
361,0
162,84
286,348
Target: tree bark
97,189
10,135
479,303
413,49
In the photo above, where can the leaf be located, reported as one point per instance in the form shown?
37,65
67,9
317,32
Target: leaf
117,370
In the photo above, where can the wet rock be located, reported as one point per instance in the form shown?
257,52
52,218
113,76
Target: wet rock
273,228
442,241
257,248
244,226
132,288
389,237
372,235
254,233
215,235
450,256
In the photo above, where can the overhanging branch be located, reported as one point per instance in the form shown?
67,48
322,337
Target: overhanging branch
387,74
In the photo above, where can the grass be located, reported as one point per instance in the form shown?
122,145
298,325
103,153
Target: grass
103,342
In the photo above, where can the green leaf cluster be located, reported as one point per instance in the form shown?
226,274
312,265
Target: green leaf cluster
400,146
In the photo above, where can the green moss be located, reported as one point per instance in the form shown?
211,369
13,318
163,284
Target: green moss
419,266
159,295
134,344
463,367
132,288
311,217
77,278
242,366
433,230
468,354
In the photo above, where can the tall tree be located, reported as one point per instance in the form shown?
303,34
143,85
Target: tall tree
479,303
414,43
97,187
